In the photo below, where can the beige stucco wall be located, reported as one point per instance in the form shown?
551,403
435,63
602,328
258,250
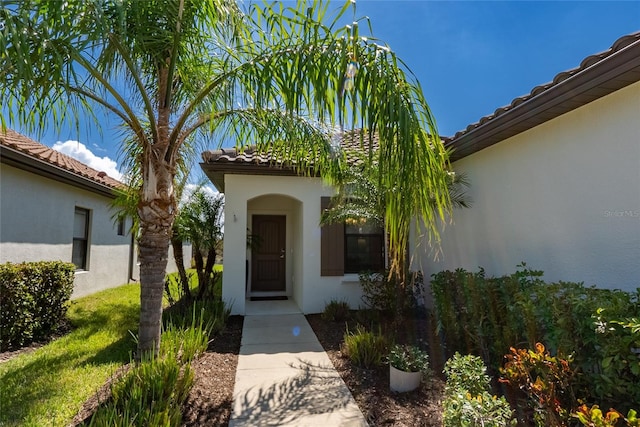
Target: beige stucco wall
299,199
563,197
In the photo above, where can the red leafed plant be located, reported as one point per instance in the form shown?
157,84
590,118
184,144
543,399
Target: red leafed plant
546,381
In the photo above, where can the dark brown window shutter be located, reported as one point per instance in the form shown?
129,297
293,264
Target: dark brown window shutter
332,246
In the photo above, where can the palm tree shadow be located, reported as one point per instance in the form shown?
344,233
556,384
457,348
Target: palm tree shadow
315,390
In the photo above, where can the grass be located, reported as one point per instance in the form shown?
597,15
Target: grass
48,386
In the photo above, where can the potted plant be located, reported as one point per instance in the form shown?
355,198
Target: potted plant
407,364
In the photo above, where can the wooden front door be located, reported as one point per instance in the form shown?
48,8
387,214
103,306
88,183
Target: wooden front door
268,256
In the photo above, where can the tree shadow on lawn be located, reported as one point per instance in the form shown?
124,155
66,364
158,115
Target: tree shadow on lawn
44,375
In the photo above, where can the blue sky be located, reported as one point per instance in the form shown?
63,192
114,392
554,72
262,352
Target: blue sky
471,57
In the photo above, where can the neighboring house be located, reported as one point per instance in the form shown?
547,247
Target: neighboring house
555,179
555,183
55,208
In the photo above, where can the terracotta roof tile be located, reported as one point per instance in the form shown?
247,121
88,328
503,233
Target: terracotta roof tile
29,147
350,144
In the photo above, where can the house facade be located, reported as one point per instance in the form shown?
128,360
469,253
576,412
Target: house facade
55,208
555,179
274,245
555,183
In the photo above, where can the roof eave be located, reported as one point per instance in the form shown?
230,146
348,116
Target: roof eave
17,159
216,171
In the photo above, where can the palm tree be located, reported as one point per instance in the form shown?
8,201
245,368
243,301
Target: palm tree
284,78
361,196
200,222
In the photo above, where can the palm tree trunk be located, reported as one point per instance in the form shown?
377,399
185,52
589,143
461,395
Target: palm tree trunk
154,253
156,210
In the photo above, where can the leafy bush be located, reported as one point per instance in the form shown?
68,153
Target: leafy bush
466,373
461,409
467,399
381,292
33,300
618,372
336,311
409,358
487,316
364,348
593,417
545,379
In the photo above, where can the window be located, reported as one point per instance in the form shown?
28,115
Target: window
363,247
121,226
350,248
80,253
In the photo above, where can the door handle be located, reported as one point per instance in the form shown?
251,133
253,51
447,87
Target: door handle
281,253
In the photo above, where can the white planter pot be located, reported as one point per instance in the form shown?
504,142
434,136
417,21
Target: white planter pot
401,381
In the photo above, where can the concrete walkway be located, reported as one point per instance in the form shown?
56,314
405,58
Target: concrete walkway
284,377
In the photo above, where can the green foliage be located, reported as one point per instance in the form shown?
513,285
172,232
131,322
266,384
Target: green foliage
466,373
487,316
33,300
336,311
618,372
462,409
467,399
46,387
153,391
210,315
365,348
545,379
409,358
199,221
382,292
593,417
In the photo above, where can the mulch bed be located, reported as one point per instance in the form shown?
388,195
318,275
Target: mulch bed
210,399
370,387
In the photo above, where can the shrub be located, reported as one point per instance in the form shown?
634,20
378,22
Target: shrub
593,417
364,348
33,300
486,316
409,358
380,292
466,373
545,379
467,399
484,410
336,311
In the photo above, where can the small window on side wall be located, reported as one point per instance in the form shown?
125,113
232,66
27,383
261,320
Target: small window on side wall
80,254
121,226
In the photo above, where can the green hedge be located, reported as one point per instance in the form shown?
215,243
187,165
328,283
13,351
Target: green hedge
486,316
33,300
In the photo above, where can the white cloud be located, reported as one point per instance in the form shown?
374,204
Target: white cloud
80,152
190,189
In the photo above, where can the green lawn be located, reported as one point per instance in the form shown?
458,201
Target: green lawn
48,386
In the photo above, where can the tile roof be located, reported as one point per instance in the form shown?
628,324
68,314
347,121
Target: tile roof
27,146
350,143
